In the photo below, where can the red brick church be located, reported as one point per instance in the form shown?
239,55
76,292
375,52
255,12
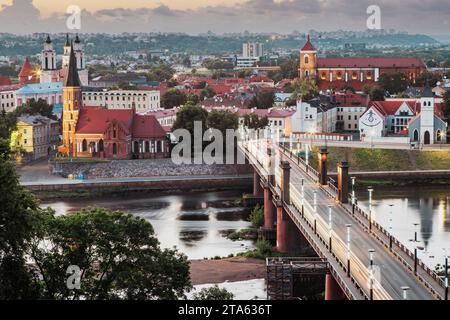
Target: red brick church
96,132
333,73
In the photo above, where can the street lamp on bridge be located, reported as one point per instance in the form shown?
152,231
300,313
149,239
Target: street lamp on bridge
371,271
353,194
370,189
315,210
405,290
390,226
330,225
445,274
349,226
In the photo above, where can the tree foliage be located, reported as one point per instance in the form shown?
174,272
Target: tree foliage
213,293
257,216
188,115
394,83
162,72
263,100
217,64
306,88
252,121
223,120
173,98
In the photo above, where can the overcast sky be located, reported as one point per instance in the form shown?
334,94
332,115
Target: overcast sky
197,16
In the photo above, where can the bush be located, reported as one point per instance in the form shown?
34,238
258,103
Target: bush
257,216
213,293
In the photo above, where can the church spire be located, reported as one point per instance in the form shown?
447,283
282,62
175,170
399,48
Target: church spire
73,79
48,40
67,40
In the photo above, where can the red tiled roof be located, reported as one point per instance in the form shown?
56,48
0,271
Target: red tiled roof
5,81
146,126
96,120
308,45
27,69
370,63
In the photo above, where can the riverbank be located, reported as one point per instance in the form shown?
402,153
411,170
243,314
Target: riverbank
230,269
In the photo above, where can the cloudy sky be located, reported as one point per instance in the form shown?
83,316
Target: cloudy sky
197,16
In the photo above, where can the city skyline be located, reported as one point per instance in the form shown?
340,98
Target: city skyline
222,16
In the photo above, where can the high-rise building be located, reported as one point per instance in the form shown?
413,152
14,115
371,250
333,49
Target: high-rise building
252,50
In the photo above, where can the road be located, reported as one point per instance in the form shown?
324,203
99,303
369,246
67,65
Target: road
392,276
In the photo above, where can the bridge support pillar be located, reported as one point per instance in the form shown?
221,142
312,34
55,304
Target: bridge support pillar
269,210
323,174
271,164
332,289
343,181
285,182
257,189
283,229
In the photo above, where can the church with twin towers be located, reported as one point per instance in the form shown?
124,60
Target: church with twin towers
50,72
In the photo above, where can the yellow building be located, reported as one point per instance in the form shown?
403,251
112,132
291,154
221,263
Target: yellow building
36,137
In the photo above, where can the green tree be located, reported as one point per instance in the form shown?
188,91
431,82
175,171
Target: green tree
18,212
223,120
187,115
173,98
257,216
217,64
193,99
394,83
162,72
377,94
263,100
213,293
252,121
306,88
33,107
208,92
118,255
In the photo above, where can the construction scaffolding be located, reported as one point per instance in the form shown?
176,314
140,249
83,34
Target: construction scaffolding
284,273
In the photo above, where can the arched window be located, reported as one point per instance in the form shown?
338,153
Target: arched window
307,73
306,59
416,135
136,147
114,148
84,145
147,146
101,146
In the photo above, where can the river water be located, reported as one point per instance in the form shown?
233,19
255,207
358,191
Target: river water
196,223
399,209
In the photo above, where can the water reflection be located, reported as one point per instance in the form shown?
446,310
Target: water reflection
196,223
400,209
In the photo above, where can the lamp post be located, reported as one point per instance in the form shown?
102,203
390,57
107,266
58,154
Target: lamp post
307,157
303,197
446,274
330,225
415,231
370,189
315,210
371,275
353,194
416,258
390,226
349,226
405,290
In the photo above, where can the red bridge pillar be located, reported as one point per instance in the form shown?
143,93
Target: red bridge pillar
282,229
343,181
323,174
332,289
257,189
269,210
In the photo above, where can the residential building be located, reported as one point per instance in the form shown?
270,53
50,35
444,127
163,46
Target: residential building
252,50
143,100
51,92
8,97
36,136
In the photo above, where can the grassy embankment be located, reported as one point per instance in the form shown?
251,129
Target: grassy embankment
387,160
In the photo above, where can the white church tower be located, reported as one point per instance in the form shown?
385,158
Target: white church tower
80,59
427,116
48,62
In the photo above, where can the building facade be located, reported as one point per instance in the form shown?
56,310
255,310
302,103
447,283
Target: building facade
143,100
90,131
51,92
36,136
8,97
334,73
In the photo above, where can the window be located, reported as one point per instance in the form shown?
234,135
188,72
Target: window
306,59
84,145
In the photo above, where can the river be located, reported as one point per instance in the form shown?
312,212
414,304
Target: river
406,210
196,223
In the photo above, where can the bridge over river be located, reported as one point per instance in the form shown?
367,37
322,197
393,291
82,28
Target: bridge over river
364,260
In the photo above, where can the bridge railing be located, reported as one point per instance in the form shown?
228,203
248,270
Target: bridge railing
359,272
395,242
310,171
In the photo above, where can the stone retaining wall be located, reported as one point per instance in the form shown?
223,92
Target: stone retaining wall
142,168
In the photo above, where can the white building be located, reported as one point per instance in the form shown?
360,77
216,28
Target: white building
252,50
314,117
8,97
51,92
143,100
